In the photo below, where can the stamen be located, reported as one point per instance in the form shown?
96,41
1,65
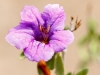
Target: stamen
40,27
48,29
45,32
44,29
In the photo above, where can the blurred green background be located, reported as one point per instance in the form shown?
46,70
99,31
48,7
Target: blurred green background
83,52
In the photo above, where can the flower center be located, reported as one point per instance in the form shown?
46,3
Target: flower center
45,31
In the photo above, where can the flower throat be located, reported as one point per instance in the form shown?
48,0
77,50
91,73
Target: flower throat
45,31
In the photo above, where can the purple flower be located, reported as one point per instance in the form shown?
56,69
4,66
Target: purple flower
40,35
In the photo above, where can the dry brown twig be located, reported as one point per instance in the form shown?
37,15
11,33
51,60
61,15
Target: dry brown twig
77,24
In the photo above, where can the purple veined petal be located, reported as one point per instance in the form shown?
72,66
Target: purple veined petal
37,51
20,36
31,14
54,16
23,28
61,39
30,29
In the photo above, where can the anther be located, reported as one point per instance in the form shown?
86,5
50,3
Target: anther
44,29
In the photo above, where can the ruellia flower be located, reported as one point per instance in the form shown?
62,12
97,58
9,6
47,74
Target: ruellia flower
40,35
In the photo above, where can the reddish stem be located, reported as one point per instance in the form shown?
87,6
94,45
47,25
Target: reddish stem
43,66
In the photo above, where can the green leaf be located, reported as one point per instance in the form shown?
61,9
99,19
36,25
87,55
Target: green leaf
22,56
66,27
59,67
92,25
93,46
39,71
51,62
83,40
69,73
83,72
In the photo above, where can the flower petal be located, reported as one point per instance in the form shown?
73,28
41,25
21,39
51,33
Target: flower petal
31,14
20,36
61,39
54,16
37,51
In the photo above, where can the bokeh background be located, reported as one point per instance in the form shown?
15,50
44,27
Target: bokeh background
10,17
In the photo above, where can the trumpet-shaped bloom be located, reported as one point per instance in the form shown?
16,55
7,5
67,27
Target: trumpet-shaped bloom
40,35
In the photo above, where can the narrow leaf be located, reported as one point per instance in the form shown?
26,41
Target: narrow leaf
94,48
92,24
51,62
83,72
69,73
21,56
66,27
59,67
84,40
39,71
